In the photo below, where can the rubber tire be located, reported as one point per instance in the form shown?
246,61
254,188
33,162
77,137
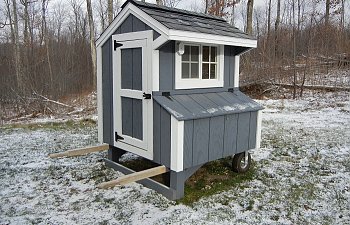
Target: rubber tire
237,165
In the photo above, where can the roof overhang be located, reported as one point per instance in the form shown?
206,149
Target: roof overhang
188,36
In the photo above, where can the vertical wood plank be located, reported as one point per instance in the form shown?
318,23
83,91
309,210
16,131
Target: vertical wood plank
232,66
200,141
188,144
167,66
243,132
216,144
252,129
127,116
137,125
137,25
156,132
165,142
107,92
227,59
230,134
126,26
126,69
136,68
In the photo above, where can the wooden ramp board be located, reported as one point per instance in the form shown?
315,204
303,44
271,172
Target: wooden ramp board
134,177
80,151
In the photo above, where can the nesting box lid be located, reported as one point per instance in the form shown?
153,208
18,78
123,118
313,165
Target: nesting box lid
196,106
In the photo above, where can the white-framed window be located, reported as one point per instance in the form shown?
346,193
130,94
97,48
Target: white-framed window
199,65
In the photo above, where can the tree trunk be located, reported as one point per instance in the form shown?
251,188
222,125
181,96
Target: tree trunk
342,17
269,21
47,41
294,53
249,28
326,17
92,42
277,23
17,54
110,11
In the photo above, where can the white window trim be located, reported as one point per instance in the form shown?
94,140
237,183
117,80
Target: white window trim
188,83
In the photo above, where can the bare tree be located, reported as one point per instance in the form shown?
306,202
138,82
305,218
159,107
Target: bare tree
269,20
326,17
159,2
277,23
92,42
17,54
110,11
249,28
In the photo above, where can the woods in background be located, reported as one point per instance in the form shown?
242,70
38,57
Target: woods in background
45,45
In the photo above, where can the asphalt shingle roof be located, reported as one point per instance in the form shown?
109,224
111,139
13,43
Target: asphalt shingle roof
179,19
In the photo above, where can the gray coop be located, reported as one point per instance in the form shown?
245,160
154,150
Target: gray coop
168,91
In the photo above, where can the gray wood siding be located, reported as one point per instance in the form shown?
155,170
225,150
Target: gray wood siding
132,117
167,66
131,76
229,66
107,92
217,137
161,135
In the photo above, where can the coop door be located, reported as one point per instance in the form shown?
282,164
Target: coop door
132,99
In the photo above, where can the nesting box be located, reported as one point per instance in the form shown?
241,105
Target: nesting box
168,90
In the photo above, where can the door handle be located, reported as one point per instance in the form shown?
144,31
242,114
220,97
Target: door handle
146,96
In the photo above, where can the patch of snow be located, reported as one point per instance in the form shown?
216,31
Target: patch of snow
302,175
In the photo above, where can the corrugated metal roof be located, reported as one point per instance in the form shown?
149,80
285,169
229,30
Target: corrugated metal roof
179,19
196,106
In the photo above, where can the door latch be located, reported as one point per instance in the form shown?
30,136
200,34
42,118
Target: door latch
147,96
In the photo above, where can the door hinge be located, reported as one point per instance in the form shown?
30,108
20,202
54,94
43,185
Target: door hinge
118,137
147,96
116,45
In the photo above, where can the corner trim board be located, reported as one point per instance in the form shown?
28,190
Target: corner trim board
236,72
258,129
99,95
177,137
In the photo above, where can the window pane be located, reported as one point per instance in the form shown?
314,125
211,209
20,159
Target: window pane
186,55
194,70
185,70
213,54
194,53
205,53
205,71
212,71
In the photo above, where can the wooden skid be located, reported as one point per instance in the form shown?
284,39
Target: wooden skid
134,177
80,151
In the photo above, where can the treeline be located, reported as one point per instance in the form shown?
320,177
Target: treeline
45,47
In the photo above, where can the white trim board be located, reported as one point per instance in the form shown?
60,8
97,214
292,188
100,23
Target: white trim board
99,96
177,146
258,129
195,37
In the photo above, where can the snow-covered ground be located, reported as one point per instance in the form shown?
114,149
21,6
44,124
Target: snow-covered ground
302,175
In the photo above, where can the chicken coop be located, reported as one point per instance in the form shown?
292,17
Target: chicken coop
168,91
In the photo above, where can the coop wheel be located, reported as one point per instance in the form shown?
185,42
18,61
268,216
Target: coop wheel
240,164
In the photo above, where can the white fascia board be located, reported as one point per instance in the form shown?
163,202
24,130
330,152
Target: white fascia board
141,15
189,36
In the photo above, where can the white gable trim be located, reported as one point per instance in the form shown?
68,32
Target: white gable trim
189,36
141,15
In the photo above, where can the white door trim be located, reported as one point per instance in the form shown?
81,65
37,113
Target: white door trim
142,39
